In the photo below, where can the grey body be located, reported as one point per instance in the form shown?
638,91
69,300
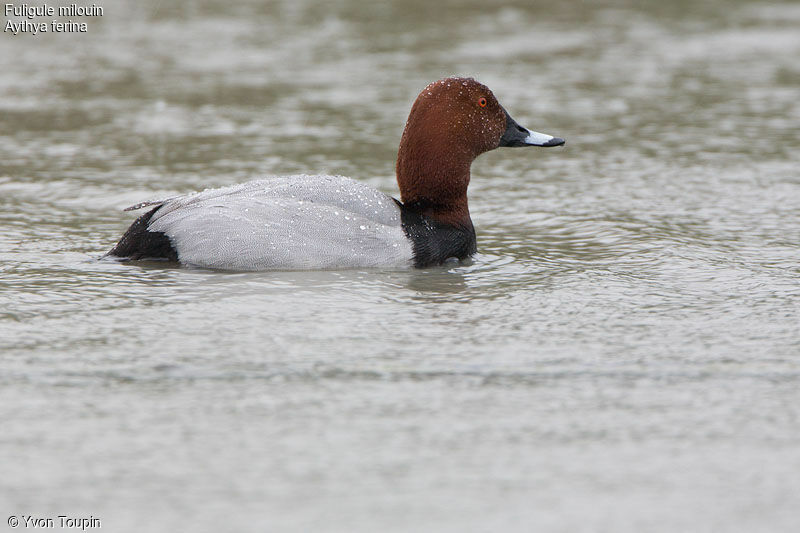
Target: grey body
290,222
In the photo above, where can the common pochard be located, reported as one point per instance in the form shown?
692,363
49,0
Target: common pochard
334,222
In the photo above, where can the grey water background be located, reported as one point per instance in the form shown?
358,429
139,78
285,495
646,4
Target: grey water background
623,353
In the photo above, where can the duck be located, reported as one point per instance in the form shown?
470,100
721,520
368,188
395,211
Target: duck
317,222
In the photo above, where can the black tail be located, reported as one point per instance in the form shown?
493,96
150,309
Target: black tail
139,243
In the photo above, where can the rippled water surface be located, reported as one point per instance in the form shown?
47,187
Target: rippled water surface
623,353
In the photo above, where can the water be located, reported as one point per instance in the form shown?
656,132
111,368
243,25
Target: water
623,353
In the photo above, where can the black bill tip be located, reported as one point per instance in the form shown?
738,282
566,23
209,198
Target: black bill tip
555,141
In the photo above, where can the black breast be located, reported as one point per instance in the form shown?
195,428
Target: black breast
434,242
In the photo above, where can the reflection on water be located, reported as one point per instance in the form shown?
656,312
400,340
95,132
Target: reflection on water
620,354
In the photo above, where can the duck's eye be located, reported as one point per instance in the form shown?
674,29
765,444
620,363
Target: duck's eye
482,101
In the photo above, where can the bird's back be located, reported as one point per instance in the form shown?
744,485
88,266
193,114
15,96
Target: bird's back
291,222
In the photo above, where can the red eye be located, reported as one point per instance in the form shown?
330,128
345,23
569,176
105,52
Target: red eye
482,101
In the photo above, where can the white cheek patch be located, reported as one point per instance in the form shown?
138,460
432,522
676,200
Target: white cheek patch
534,137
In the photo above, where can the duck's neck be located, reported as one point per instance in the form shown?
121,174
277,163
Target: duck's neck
433,181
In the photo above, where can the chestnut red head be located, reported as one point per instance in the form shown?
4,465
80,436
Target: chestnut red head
453,121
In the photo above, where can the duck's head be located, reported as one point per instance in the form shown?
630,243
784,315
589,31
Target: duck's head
453,121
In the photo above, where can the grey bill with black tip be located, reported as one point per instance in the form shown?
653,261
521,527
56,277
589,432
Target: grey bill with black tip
516,135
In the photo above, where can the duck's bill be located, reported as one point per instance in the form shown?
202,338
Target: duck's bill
516,135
